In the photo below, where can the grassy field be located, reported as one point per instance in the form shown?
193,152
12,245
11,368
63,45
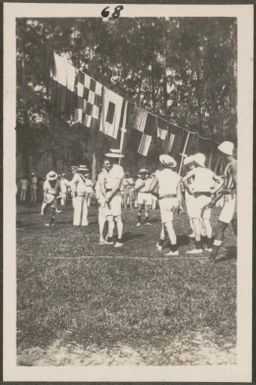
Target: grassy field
84,304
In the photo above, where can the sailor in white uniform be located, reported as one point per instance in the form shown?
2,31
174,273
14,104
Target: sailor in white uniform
144,197
112,197
100,193
73,172
64,185
169,194
228,193
79,192
51,190
201,183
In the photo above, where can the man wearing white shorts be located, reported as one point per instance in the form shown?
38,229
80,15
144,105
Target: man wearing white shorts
112,196
188,165
228,192
169,195
100,192
144,197
204,184
51,190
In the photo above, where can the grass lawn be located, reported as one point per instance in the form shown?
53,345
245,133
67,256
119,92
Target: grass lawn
84,304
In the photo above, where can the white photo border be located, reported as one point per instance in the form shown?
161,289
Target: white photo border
241,372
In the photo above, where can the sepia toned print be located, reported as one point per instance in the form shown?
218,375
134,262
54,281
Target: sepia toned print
128,149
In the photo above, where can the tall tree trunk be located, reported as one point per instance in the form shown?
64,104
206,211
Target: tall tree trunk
25,127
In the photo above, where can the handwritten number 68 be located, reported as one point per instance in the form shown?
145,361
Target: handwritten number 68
105,12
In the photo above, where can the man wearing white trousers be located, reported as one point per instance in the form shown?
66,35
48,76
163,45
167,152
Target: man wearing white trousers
73,171
79,192
64,184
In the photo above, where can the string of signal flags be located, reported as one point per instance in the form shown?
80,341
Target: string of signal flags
96,107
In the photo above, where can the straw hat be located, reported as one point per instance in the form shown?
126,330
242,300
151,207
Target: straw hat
82,168
114,153
189,159
143,171
167,161
226,148
200,159
52,175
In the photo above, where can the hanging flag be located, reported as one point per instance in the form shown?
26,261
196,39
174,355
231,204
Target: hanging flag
146,138
162,129
131,136
123,123
140,120
144,145
192,144
205,147
89,101
171,142
174,141
111,113
183,154
63,76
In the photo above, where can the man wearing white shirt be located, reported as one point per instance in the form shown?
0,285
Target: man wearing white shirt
89,190
51,190
23,189
33,188
100,192
169,195
73,171
64,184
204,184
144,198
112,195
228,193
78,188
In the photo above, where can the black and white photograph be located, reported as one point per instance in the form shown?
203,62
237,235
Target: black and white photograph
128,156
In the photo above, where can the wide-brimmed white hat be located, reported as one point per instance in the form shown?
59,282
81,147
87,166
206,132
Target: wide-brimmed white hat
143,171
52,175
82,168
226,148
200,159
114,153
167,160
188,159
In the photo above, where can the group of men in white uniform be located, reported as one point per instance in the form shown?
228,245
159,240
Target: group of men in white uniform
56,189
201,187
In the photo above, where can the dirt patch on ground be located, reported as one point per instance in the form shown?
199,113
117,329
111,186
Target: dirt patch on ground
199,349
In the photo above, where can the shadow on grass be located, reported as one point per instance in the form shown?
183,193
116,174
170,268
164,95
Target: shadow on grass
129,235
183,240
230,254
32,224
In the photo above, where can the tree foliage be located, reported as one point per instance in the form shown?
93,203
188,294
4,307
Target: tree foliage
183,69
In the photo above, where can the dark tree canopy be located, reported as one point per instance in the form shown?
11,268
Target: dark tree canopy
183,69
